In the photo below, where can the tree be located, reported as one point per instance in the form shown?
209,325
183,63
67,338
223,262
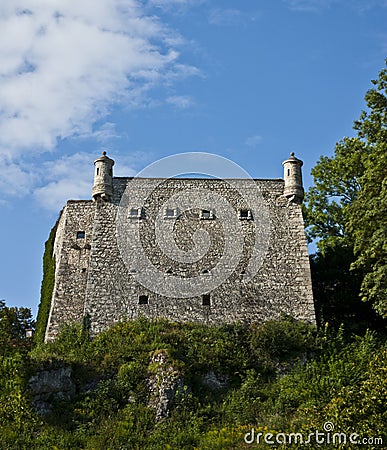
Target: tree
13,325
347,207
368,214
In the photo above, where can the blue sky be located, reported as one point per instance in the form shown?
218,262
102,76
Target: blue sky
249,80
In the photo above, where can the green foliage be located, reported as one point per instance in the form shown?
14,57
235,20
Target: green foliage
347,206
276,342
281,376
368,215
13,325
47,286
336,291
15,409
335,188
361,407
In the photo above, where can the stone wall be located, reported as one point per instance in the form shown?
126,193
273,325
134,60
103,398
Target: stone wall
91,277
72,254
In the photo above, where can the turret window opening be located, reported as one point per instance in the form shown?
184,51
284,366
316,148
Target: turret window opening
288,172
80,235
97,170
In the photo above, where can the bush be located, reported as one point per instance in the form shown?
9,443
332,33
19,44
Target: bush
281,341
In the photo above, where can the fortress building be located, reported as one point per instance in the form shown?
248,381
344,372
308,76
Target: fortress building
148,247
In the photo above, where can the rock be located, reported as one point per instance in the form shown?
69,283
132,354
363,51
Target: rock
214,382
163,383
48,386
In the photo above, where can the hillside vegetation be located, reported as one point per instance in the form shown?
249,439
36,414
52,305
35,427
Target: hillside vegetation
278,377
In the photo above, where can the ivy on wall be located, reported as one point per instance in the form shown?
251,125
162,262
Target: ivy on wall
47,287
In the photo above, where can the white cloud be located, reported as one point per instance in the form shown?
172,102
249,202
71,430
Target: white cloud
319,5
229,17
16,180
180,101
173,4
105,133
53,196
308,5
64,65
253,141
71,177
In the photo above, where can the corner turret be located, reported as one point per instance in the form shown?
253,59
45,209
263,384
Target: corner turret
103,178
293,189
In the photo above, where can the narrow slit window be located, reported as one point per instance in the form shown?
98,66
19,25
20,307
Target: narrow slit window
97,170
142,299
206,300
288,172
80,235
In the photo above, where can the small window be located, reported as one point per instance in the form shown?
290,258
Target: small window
170,213
245,214
288,172
142,299
136,213
111,172
169,272
80,235
97,170
206,300
207,214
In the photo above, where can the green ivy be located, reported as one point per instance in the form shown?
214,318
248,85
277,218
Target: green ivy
47,286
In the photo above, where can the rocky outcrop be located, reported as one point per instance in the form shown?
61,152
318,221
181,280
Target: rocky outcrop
214,382
48,386
164,383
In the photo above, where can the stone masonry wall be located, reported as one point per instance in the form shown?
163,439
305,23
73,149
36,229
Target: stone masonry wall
91,277
72,254
281,286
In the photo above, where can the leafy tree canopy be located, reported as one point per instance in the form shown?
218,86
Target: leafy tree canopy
13,325
347,206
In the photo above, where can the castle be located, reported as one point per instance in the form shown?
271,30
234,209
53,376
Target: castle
138,249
